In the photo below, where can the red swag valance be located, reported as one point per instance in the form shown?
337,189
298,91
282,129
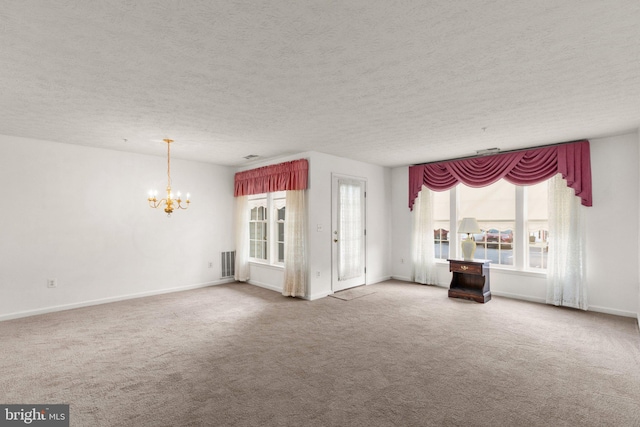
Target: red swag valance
283,176
525,167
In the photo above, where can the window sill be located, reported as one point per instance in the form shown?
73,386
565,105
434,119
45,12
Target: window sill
266,265
513,271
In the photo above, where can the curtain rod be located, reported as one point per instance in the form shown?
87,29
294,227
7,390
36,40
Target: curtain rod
499,152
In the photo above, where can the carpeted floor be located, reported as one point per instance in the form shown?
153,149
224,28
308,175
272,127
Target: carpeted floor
405,355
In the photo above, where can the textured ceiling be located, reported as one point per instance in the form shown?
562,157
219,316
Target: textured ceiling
386,82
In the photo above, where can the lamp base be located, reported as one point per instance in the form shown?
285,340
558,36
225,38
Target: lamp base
468,248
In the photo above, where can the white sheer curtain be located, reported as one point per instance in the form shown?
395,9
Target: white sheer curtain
295,245
242,239
566,285
422,244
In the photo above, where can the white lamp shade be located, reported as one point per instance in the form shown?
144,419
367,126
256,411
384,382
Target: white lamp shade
469,225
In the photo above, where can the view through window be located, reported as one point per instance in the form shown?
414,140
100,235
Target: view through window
494,207
441,227
537,225
500,209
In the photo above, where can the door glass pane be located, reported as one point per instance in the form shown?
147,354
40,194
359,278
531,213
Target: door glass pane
350,227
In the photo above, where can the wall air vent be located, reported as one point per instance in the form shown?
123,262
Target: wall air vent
228,264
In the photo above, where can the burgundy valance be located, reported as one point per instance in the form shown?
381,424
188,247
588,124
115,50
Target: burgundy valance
524,167
283,176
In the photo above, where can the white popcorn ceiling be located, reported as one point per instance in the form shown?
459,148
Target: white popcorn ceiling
386,82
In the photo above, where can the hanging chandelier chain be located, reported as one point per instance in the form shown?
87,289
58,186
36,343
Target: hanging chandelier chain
168,141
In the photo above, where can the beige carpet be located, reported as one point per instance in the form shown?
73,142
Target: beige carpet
238,355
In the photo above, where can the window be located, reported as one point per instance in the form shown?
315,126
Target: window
258,229
441,223
504,212
537,225
280,212
494,207
266,227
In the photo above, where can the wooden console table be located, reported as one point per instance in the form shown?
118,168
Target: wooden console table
470,279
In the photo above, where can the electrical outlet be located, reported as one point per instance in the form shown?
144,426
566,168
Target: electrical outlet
52,283
317,274
401,260
210,264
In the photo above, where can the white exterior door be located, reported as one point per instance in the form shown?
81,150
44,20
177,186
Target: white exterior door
348,232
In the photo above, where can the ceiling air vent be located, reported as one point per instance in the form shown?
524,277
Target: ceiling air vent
487,151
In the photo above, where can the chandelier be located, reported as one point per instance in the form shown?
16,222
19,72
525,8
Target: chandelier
170,203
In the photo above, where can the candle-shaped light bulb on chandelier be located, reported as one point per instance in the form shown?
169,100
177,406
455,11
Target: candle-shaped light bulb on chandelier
169,202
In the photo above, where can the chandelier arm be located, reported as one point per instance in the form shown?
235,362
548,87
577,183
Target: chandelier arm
156,203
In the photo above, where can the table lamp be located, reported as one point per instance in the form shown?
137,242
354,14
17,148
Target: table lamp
469,226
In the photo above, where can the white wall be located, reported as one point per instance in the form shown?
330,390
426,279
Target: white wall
638,284
401,224
80,215
612,272
321,168
377,213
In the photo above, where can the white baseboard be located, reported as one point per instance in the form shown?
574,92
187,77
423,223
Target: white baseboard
402,278
612,311
279,290
311,297
409,279
378,280
64,307
594,308
319,295
517,296
265,286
